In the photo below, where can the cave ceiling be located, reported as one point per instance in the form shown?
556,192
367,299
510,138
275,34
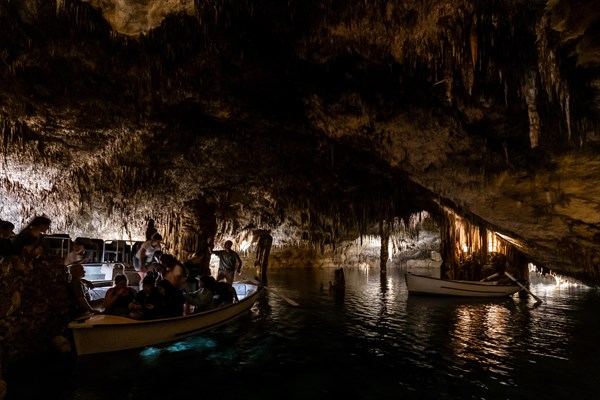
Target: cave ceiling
305,117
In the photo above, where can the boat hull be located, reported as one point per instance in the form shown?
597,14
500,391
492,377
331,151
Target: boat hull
419,284
108,333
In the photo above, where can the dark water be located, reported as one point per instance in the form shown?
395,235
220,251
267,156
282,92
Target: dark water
371,342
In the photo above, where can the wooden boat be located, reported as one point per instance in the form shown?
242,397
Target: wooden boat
420,284
106,333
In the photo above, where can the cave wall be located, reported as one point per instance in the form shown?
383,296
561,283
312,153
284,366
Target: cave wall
318,119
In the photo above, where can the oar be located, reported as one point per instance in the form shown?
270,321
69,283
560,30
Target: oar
489,277
290,301
519,283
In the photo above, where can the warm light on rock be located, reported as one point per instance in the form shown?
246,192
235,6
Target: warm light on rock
135,17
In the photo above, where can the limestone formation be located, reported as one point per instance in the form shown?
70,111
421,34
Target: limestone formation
315,120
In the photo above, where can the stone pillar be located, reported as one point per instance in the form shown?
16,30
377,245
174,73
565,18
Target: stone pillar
384,233
191,230
263,249
447,246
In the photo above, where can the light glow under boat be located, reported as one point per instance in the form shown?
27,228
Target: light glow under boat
191,343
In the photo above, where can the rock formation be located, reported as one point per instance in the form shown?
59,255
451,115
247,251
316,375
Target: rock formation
316,120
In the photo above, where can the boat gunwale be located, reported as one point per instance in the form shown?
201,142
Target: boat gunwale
462,282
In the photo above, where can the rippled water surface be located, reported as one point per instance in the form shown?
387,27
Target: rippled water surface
372,341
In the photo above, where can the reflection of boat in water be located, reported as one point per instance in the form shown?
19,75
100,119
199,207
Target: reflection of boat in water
426,285
106,333
441,305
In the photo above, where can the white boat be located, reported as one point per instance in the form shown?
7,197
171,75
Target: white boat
106,333
420,284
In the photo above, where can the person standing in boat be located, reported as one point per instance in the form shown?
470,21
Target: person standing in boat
229,262
145,254
118,297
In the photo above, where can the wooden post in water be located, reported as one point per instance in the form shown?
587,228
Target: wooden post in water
384,233
261,262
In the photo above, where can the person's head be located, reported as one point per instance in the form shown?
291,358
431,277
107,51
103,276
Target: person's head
78,246
40,224
152,274
228,245
6,229
77,271
156,239
148,283
157,256
120,280
224,292
208,282
163,286
168,261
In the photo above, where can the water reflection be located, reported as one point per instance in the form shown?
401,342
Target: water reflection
372,341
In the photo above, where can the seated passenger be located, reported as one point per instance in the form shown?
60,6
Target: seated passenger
80,302
202,299
173,271
224,294
77,253
172,300
146,303
118,297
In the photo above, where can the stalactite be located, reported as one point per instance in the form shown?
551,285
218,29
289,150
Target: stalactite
60,6
530,93
566,103
483,237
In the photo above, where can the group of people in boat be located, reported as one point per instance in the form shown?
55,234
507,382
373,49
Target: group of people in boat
169,288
